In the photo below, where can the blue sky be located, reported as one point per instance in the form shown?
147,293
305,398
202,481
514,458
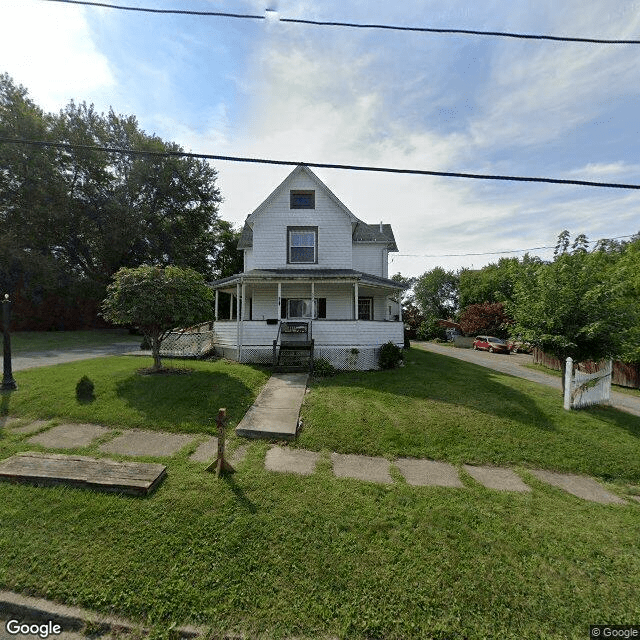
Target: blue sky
369,97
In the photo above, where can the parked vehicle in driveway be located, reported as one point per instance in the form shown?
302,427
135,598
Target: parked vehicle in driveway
491,344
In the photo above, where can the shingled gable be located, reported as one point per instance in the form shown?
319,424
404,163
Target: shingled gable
362,232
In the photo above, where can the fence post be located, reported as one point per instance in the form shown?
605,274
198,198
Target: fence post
568,383
220,464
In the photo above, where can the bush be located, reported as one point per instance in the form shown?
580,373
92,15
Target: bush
323,368
431,330
390,356
84,389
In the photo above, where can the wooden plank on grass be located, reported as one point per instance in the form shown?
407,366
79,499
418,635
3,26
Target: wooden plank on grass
46,469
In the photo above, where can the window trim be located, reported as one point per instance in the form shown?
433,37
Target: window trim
313,230
302,192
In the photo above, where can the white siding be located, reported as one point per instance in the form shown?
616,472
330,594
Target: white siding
370,258
248,259
270,229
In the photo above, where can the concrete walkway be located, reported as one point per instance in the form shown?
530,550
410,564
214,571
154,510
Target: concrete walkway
276,410
59,356
514,365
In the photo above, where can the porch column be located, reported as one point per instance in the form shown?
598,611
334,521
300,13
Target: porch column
313,298
231,307
355,300
215,314
400,306
238,323
243,306
238,299
278,303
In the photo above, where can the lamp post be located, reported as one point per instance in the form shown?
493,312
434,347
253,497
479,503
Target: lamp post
8,383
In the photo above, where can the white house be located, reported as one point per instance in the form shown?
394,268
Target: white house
314,273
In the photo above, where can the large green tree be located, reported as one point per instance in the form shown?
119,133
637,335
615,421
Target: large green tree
436,293
85,212
576,306
157,300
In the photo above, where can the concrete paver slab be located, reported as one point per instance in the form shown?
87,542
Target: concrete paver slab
136,442
361,468
428,473
206,451
275,412
497,478
291,460
32,427
636,498
580,486
69,436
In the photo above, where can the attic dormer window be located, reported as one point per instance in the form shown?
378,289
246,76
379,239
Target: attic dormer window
302,200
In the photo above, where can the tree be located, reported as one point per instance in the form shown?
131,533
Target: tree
577,306
436,293
227,258
485,318
157,300
493,283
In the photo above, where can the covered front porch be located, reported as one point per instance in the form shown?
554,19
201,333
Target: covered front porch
348,315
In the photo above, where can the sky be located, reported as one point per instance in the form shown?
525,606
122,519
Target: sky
454,103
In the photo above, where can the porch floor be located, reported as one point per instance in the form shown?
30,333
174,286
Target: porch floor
275,412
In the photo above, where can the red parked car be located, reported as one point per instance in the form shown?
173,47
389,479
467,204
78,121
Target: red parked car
491,344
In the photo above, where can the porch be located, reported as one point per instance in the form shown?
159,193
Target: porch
346,344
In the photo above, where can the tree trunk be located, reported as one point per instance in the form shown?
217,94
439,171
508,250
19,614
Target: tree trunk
155,350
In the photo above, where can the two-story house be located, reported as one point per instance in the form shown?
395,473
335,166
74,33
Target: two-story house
311,264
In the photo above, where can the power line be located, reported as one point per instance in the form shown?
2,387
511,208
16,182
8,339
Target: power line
319,165
353,25
494,253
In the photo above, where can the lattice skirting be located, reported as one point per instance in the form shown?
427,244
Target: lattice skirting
187,345
343,358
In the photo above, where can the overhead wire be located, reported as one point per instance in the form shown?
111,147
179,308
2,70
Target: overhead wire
321,165
353,25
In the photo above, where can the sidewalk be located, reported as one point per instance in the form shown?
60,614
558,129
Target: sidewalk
513,365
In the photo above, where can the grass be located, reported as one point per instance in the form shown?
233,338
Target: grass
30,341
441,408
180,403
277,555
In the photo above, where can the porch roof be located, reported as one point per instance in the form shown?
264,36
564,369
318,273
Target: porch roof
305,275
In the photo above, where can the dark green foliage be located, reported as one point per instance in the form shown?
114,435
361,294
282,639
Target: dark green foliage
436,293
323,368
431,330
69,219
390,356
84,389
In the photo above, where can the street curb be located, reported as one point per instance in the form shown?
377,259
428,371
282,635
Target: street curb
75,618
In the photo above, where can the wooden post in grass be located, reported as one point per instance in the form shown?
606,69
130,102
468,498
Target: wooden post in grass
220,464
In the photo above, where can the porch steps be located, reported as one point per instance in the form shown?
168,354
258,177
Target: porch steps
295,356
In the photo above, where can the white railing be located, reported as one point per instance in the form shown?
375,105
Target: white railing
584,389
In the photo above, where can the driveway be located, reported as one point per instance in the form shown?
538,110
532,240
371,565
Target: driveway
514,365
58,356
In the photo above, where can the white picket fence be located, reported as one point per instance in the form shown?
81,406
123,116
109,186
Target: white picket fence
193,342
584,389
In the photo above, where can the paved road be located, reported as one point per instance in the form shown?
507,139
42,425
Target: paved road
513,365
58,356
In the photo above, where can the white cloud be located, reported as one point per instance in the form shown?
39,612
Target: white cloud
49,50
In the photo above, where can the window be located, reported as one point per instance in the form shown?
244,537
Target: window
301,308
302,200
365,308
302,245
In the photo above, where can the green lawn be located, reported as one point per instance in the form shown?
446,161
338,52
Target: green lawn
181,403
277,555
26,341
445,409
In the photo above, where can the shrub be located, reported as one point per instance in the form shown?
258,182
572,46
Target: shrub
323,368
431,330
390,356
84,389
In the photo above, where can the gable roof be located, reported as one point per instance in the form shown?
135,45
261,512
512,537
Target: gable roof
362,232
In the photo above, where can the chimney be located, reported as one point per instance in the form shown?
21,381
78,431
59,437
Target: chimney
380,226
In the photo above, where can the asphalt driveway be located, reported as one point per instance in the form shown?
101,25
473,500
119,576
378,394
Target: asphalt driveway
513,365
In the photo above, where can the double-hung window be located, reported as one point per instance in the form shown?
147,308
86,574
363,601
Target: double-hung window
302,245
